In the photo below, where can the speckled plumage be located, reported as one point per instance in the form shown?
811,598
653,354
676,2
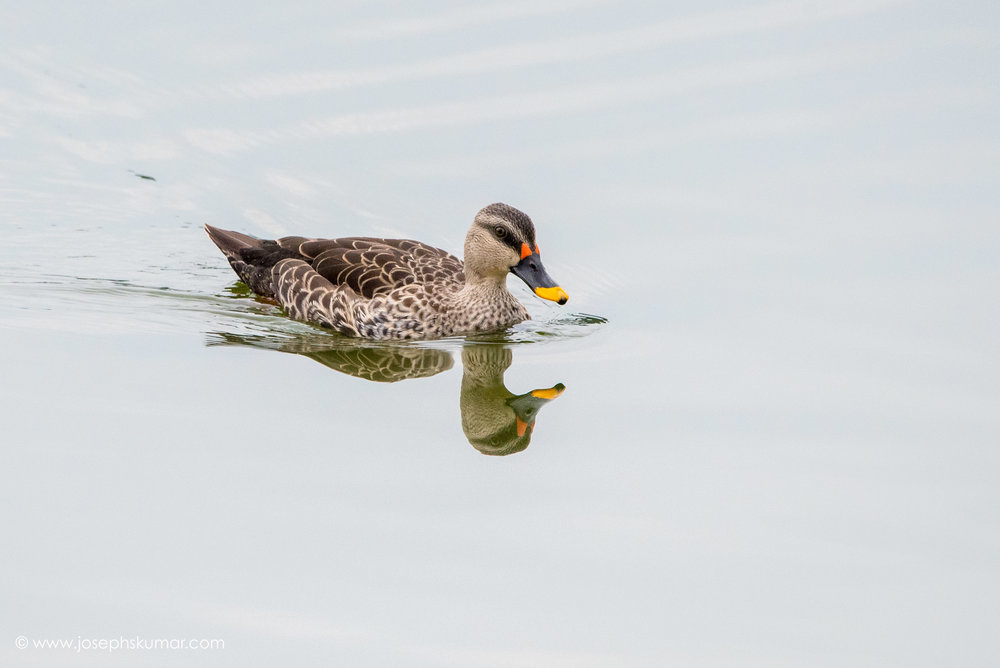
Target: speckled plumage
395,288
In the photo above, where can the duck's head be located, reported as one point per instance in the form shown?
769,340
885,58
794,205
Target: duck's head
501,240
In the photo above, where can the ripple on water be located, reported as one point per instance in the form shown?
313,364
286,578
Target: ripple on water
105,305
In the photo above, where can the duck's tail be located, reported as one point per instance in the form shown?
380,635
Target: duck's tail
251,258
230,242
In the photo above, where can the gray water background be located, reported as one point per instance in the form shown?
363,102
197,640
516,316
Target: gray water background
780,449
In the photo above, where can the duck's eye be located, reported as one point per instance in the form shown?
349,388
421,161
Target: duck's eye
501,232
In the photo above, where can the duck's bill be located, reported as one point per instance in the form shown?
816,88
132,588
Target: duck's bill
549,393
526,406
531,270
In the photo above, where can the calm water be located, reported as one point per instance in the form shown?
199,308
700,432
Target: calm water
776,441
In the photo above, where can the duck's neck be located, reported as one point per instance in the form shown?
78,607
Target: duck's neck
485,289
489,305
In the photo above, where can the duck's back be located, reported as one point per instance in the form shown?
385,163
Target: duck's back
369,266
372,266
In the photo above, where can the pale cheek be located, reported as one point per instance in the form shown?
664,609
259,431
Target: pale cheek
502,261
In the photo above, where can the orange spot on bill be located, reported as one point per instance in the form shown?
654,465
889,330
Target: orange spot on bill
525,251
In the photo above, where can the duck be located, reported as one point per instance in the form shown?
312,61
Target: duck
398,289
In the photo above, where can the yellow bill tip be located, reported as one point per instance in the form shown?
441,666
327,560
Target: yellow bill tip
550,393
555,294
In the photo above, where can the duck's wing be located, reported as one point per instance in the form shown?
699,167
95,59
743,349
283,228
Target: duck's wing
371,266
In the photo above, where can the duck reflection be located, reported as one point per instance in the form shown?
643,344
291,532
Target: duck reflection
495,420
